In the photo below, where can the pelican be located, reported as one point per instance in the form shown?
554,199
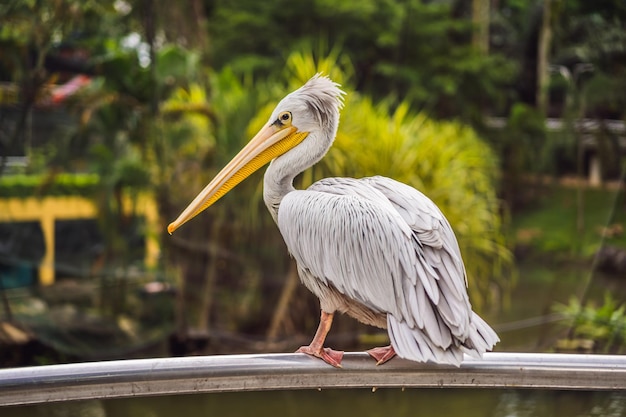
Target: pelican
373,248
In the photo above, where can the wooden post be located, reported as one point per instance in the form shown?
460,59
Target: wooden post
46,268
595,171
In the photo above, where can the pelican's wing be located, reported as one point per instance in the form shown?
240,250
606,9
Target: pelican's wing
386,245
441,249
348,235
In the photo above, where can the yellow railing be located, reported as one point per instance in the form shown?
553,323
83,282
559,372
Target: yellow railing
47,210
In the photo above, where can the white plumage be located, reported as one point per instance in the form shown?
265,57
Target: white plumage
386,246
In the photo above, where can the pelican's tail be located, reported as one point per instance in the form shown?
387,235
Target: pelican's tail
416,345
482,338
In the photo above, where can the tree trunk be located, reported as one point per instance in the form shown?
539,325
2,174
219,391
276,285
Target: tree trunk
282,308
480,19
206,300
543,56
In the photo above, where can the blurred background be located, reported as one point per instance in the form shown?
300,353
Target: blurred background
509,114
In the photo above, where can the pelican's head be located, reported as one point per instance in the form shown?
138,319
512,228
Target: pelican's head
311,110
313,107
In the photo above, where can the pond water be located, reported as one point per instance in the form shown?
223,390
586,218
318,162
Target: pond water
361,403
529,323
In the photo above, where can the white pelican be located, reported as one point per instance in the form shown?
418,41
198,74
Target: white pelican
373,248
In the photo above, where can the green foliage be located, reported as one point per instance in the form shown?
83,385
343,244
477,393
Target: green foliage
311,60
524,136
604,93
605,325
48,185
121,131
522,148
593,35
550,225
31,29
185,134
412,50
130,73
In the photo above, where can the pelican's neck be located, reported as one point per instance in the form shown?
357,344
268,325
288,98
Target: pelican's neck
277,183
278,179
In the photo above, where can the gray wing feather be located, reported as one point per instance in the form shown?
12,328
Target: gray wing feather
387,246
342,231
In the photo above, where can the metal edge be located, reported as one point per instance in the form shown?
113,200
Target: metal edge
227,373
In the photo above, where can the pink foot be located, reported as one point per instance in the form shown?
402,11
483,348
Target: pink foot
331,357
382,354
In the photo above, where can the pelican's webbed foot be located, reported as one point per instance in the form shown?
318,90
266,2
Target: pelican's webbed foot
317,349
382,354
328,355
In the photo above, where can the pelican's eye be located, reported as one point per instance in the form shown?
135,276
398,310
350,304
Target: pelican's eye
284,118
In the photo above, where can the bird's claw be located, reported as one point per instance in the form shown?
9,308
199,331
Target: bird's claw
328,355
382,354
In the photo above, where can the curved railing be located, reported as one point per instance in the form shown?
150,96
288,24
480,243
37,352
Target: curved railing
200,374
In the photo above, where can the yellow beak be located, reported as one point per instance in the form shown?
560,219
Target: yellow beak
270,142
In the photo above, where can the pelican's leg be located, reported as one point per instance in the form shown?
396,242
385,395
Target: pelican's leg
317,349
382,354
